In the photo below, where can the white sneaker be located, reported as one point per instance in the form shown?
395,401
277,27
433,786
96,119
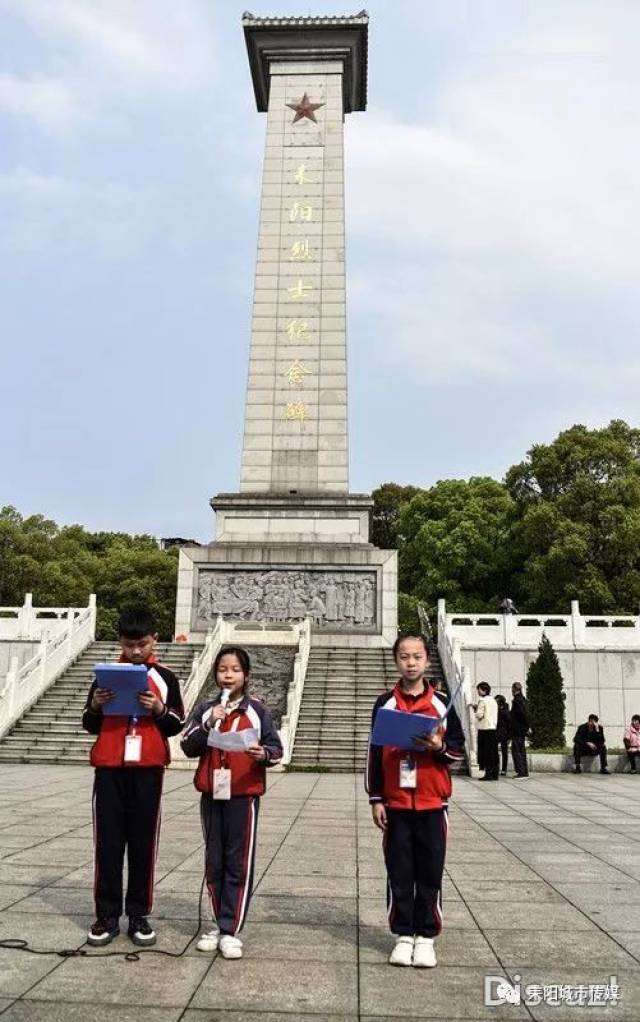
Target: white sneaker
230,947
424,954
402,953
208,941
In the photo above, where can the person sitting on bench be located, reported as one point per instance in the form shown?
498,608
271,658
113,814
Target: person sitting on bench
589,741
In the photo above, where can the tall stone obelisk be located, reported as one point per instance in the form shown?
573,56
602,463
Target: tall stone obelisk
295,436
294,542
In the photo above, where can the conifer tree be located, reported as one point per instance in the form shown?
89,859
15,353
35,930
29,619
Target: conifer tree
546,699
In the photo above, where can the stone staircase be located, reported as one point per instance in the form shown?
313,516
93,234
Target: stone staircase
51,731
340,689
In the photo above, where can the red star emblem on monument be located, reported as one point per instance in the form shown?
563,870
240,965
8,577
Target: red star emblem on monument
304,108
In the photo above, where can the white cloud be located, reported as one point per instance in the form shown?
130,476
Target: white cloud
161,44
47,101
512,208
48,214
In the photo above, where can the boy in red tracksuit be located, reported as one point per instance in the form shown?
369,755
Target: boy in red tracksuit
409,793
231,784
130,756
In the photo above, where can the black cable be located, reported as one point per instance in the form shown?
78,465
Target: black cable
17,944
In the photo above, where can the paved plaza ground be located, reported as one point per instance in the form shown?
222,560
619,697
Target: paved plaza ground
543,881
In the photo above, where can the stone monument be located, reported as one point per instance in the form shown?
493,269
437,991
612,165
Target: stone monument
294,542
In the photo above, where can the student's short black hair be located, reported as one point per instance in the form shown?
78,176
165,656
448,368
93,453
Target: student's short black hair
409,635
484,687
636,716
501,701
242,655
593,716
136,623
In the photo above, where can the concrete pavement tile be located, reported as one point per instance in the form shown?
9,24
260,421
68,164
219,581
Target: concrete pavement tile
625,1011
441,993
587,896
20,970
528,916
149,982
309,886
44,1011
629,940
11,894
46,931
298,942
315,987
319,867
504,892
214,1015
35,876
479,871
615,917
453,947
312,911
519,949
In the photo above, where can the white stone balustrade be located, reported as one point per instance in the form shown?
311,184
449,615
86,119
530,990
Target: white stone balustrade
28,623
23,685
599,660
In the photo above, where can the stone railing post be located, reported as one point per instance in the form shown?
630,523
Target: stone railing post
577,625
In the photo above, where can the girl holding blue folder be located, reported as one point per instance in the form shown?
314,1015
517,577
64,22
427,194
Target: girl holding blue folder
409,793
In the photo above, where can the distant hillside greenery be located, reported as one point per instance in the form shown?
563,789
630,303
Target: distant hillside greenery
564,524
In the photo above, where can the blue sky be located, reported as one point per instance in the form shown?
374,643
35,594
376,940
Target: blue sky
493,211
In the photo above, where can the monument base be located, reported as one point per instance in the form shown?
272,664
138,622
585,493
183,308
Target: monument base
280,559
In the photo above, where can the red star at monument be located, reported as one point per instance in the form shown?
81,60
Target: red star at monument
304,108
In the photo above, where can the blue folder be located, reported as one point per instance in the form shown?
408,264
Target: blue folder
126,680
397,728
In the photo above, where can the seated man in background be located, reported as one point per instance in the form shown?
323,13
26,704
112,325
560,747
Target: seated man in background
589,741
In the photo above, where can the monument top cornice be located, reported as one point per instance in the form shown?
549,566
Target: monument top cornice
309,39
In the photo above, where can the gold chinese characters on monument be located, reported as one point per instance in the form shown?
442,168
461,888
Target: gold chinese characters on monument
300,212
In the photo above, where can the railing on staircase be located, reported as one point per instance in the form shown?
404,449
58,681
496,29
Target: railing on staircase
289,724
460,684
228,632
24,685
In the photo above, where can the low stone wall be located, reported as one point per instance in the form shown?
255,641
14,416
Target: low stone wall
604,681
549,762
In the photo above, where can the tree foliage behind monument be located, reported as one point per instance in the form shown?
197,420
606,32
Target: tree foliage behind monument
62,566
546,699
564,525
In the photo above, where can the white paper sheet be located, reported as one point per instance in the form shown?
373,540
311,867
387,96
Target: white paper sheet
233,741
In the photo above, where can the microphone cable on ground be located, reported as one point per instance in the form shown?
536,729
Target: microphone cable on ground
18,944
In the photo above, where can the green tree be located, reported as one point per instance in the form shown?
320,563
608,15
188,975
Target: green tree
388,500
577,531
63,566
456,544
546,699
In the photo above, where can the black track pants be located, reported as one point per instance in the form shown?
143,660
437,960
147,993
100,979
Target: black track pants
414,851
126,814
229,827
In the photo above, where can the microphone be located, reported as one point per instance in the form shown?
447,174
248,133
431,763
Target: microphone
224,699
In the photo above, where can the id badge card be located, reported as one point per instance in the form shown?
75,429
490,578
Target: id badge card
408,772
221,783
132,748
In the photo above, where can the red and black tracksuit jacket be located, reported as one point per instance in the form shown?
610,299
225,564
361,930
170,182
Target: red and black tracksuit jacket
126,797
417,824
229,825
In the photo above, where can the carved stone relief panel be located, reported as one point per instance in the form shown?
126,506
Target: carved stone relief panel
335,600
